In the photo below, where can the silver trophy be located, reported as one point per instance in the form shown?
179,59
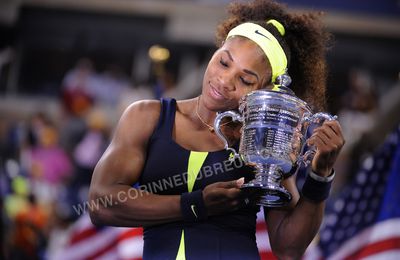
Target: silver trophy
273,139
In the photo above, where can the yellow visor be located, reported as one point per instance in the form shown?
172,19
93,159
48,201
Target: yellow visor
267,42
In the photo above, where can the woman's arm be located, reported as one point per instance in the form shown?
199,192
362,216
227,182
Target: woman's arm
121,166
292,229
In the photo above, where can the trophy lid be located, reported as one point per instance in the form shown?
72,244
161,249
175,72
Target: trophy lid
283,94
280,91
284,90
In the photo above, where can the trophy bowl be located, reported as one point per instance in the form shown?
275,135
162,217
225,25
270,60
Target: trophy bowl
273,138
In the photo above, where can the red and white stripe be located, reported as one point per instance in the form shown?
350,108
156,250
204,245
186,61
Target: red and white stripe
380,241
88,242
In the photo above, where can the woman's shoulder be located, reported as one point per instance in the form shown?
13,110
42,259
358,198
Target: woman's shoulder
144,113
146,107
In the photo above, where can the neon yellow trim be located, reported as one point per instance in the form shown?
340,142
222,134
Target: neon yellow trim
267,42
181,252
196,160
278,26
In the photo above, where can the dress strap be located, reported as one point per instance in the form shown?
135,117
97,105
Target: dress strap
167,118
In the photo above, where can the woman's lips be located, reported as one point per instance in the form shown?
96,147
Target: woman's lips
216,94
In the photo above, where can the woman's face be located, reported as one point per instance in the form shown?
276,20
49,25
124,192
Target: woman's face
237,68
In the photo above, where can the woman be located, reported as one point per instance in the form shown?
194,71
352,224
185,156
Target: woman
189,201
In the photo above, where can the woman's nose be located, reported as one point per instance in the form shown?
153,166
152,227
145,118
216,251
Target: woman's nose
226,79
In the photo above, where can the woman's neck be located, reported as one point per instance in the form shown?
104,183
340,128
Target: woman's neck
204,116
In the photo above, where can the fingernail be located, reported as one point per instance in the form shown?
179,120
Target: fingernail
240,181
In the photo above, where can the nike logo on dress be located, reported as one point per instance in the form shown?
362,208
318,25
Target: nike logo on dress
193,210
257,32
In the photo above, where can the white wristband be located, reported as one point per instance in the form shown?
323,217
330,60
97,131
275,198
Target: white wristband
320,178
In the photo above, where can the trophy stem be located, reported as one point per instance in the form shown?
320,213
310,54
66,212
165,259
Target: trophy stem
268,173
267,179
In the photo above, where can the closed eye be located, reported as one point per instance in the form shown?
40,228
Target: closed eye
223,63
245,82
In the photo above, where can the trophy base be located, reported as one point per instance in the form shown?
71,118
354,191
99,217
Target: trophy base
271,195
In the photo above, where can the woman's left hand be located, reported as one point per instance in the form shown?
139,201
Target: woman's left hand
328,141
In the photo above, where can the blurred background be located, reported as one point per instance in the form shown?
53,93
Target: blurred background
68,68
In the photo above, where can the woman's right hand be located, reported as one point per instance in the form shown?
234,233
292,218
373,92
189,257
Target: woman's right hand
222,197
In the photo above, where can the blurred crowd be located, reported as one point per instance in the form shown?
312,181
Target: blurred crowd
47,162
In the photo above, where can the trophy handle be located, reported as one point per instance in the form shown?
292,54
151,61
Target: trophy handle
314,120
217,122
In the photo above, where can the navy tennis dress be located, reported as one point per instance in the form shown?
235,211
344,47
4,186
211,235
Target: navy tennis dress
166,171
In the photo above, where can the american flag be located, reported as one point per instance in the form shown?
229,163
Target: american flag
86,241
363,222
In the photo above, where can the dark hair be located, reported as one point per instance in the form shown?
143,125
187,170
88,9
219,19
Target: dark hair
305,44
